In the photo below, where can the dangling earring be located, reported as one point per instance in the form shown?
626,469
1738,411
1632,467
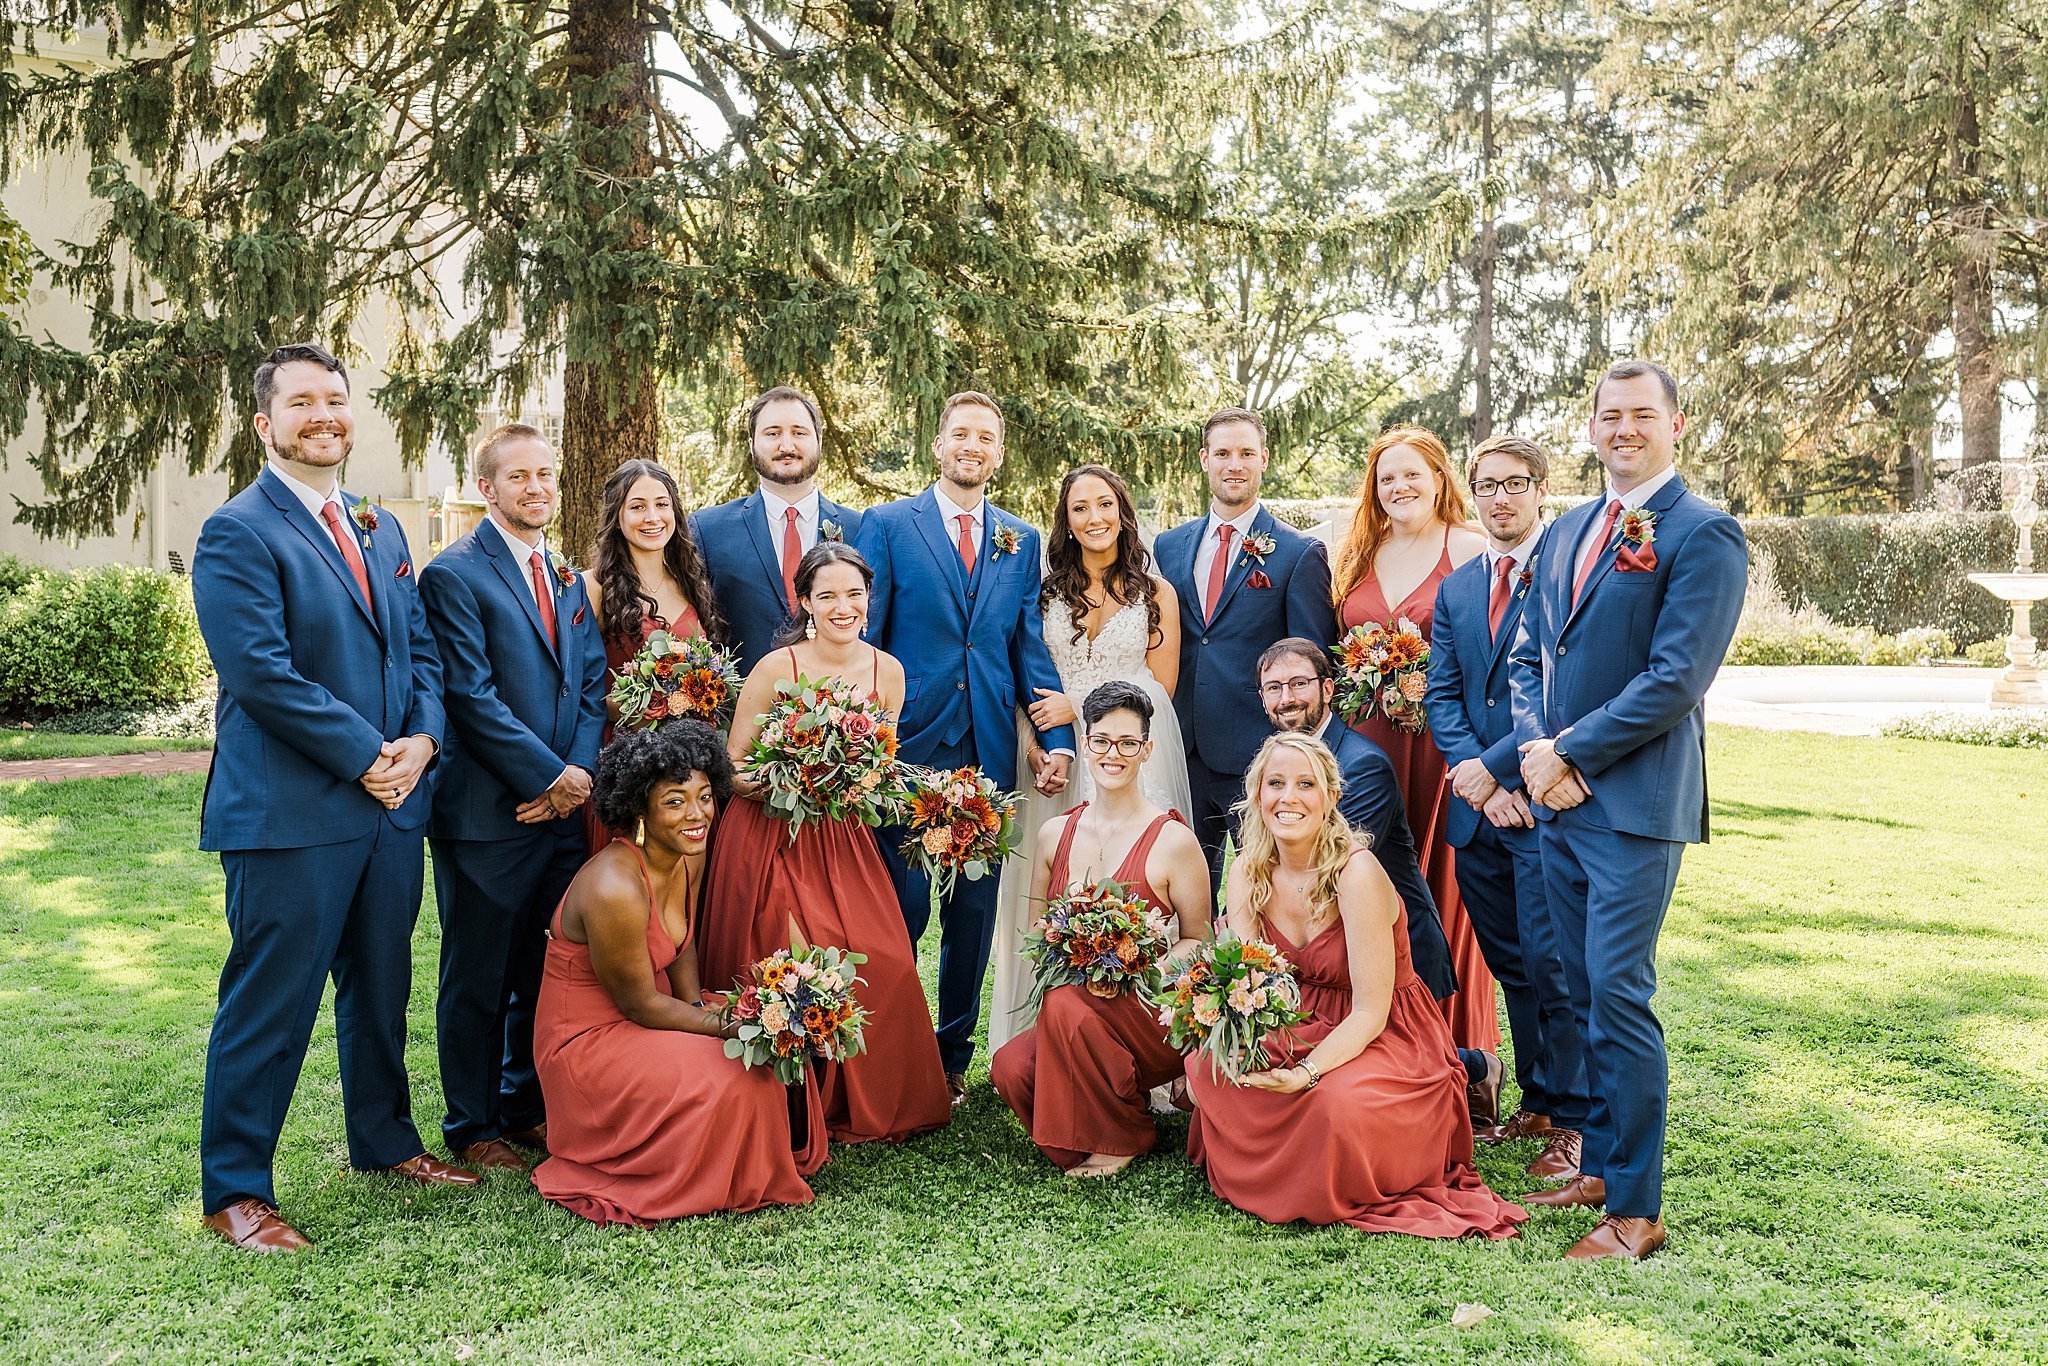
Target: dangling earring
863,626
810,628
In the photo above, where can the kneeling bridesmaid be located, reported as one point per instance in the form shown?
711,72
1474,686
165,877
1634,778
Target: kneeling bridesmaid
1362,1118
1078,1078
647,1117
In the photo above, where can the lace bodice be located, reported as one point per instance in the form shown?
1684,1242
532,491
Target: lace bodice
1084,665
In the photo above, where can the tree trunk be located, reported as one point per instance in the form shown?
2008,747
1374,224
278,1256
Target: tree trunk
1489,252
1978,371
611,398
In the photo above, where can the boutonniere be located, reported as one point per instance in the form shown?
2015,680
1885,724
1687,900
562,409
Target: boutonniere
828,530
1639,528
1525,578
565,574
1005,541
364,515
1257,546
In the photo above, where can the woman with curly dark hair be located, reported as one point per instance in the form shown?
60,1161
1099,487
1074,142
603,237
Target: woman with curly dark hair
647,1117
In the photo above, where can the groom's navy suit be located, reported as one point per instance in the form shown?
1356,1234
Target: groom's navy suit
745,565
1500,870
1222,722
321,878
972,653
1617,679
520,710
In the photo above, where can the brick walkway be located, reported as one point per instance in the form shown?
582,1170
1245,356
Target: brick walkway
104,765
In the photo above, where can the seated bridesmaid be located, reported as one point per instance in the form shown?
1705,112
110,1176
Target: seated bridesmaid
1078,1078
647,1117
1361,1120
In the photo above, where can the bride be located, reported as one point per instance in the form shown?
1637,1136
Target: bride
1106,616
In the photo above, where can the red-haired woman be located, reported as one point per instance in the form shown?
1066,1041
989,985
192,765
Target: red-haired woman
1408,534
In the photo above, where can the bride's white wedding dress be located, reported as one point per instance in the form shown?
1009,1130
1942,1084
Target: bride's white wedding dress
1118,653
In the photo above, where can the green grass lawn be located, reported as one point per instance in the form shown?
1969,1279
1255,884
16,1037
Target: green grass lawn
49,744
1856,993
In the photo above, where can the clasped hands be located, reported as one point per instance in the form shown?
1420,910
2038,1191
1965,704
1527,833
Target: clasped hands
398,768
1480,790
1550,780
569,791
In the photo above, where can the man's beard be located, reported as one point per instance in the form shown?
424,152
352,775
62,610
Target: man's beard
769,476
517,516
297,454
1303,718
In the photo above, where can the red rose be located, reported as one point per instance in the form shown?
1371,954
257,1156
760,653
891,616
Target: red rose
857,726
965,832
657,706
748,1006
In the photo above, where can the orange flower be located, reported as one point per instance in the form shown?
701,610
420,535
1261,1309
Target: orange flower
927,808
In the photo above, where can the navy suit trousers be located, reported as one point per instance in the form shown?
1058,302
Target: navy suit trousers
967,926
1504,897
1608,894
297,916
1213,794
496,898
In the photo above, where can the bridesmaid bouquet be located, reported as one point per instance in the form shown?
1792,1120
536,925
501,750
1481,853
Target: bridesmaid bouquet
670,677
1099,937
1383,670
959,822
826,751
795,1005
1226,999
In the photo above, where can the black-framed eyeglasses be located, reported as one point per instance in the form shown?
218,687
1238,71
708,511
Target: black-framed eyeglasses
1513,484
1281,686
1127,746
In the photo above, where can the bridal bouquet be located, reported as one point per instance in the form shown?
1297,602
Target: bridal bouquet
795,1005
693,676
1383,670
826,751
959,822
1225,999
1099,937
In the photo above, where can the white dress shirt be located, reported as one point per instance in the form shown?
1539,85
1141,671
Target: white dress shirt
522,555
1205,553
1630,501
1521,553
774,506
950,513
313,498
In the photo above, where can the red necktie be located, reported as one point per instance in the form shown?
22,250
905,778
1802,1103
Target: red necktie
792,552
347,544
1219,570
1497,604
544,594
1593,551
966,521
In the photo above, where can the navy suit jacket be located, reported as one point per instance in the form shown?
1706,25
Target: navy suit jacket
517,713
1371,805
1620,677
1471,713
972,651
313,680
746,568
1217,698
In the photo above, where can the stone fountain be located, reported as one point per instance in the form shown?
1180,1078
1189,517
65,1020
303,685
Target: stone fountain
2020,685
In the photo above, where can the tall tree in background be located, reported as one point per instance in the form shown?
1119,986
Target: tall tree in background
1840,227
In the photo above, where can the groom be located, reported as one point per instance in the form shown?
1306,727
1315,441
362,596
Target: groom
1634,602
955,598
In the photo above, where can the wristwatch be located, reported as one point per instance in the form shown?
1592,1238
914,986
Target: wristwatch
1557,748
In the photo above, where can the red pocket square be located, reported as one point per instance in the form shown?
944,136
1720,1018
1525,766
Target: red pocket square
404,569
1631,560
577,620
1258,579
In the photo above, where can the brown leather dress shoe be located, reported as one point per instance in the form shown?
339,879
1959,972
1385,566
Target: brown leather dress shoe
1589,1192
493,1154
1615,1236
429,1171
535,1138
1527,1124
1483,1096
956,1088
254,1226
1559,1160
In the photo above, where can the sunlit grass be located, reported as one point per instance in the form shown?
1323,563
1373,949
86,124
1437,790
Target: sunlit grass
40,744
1854,984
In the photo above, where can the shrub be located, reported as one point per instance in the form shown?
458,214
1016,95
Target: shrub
113,637
1990,653
16,574
1892,572
1772,631
2021,728
191,720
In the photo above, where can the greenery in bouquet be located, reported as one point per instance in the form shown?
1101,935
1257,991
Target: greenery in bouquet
826,752
1225,999
1100,937
959,822
671,677
795,1005
1383,671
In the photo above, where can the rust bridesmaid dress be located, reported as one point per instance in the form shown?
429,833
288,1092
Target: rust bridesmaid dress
619,652
652,1124
1382,1143
832,882
1425,788
1078,1078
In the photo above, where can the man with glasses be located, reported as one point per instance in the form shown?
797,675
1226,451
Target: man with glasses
1499,863
1296,686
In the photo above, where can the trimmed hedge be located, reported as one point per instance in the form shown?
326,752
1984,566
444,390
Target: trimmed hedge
1893,572
113,637
2019,728
1826,642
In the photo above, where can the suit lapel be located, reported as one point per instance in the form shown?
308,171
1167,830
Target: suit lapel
323,544
1497,648
513,572
757,534
924,515
1659,501
990,563
1241,563
1184,567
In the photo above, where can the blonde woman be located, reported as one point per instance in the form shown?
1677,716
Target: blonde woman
1361,1120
